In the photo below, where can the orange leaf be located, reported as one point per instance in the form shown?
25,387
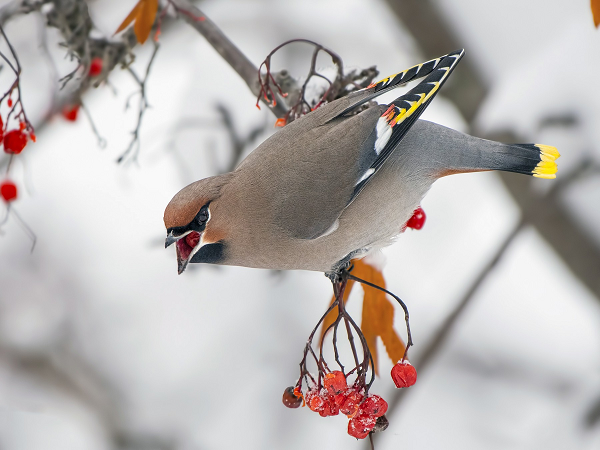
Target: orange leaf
596,12
144,14
129,18
145,19
377,315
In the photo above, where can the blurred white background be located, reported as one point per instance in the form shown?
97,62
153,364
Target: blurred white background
103,346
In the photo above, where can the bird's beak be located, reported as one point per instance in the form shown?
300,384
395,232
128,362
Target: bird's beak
170,239
186,245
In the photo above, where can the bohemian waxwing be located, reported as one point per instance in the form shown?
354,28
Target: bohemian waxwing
332,185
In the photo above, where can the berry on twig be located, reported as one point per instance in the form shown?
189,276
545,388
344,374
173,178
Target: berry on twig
8,191
404,374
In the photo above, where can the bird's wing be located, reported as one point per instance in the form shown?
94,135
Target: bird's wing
402,113
315,168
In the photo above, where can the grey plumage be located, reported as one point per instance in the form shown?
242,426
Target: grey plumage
330,187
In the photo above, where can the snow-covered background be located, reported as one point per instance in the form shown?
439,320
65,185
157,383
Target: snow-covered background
103,346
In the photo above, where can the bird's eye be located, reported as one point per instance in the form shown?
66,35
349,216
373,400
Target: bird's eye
202,216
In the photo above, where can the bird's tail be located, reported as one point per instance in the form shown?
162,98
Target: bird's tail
530,159
448,151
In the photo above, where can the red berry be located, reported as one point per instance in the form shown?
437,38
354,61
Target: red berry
373,406
330,408
290,399
95,67
404,374
314,401
9,102
335,382
8,191
70,112
360,426
417,220
15,141
22,126
351,401
192,239
1,128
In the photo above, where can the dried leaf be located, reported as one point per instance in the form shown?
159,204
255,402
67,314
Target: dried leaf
144,14
377,314
129,18
145,19
596,12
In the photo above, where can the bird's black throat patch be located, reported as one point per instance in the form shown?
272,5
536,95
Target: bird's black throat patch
210,253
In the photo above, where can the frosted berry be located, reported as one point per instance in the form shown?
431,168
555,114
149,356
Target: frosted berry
417,220
360,426
290,399
329,407
15,141
373,406
314,401
95,67
70,113
351,401
8,191
404,374
335,382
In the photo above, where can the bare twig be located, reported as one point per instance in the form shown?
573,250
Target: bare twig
143,105
221,43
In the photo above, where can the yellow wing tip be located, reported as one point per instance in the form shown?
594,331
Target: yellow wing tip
548,152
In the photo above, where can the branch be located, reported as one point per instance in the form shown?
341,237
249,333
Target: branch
227,49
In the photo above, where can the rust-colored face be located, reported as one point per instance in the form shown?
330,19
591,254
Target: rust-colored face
184,206
181,211
187,218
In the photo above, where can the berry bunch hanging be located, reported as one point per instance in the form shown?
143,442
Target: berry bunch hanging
332,392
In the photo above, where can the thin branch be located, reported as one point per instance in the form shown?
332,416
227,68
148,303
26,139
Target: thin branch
143,105
223,45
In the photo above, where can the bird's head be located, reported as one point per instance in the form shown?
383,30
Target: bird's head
191,226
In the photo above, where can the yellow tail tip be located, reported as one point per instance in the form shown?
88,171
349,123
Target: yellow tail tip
545,169
548,153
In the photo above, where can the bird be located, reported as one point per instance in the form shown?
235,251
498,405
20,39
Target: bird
338,183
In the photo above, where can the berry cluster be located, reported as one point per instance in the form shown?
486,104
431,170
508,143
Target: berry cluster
330,392
15,133
365,411
13,141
